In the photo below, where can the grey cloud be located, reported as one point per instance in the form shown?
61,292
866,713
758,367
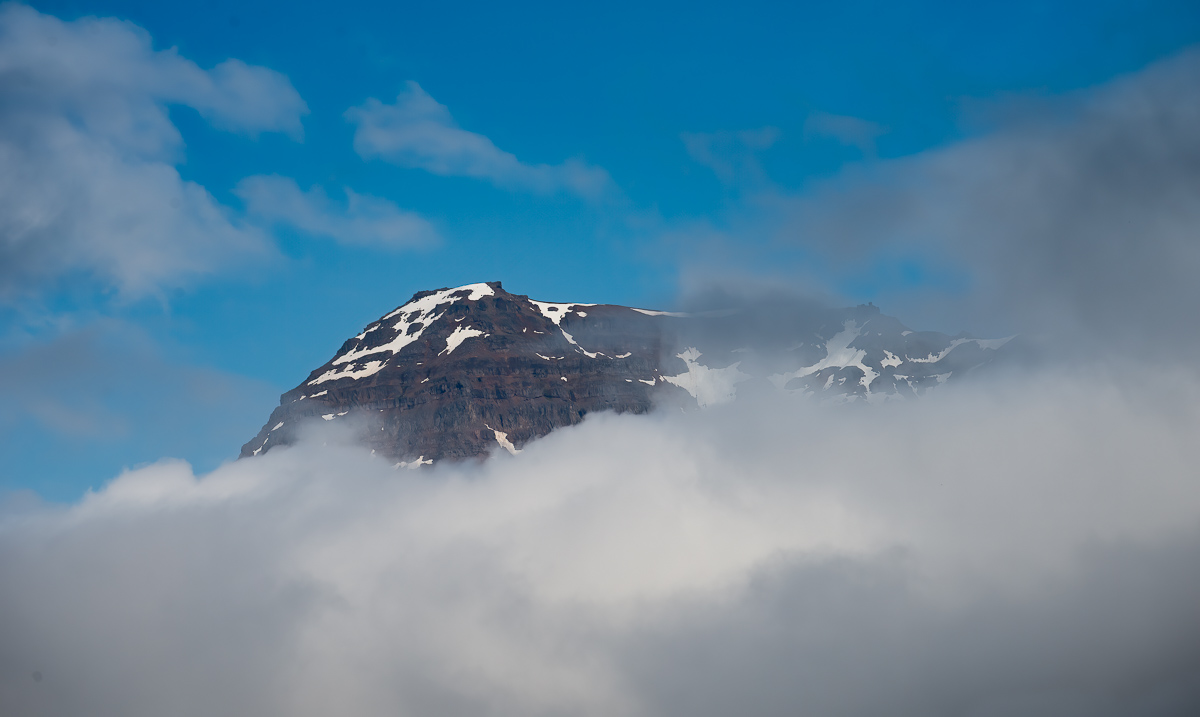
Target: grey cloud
363,220
1018,548
1076,216
419,132
88,185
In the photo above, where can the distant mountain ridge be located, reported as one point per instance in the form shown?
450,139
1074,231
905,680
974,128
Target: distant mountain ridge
459,372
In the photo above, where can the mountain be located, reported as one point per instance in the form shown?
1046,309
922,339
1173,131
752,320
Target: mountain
456,373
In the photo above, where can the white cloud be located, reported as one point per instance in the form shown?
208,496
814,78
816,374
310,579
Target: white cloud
87,152
1009,550
363,220
419,132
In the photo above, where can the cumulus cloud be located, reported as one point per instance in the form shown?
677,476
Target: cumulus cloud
1073,215
362,220
419,132
88,152
1025,548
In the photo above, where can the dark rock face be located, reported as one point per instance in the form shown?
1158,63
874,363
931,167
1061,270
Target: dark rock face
455,373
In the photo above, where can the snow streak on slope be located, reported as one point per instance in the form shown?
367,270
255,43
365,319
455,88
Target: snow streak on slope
461,334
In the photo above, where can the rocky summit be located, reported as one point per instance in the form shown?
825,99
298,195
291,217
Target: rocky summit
458,373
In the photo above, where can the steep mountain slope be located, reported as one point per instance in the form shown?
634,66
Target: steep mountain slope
454,373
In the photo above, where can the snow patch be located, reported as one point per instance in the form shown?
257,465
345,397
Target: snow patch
891,359
278,426
460,335
934,359
838,354
555,312
370,368
415,464
502,439
709,386
649,312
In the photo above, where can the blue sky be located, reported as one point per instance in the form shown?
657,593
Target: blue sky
618,153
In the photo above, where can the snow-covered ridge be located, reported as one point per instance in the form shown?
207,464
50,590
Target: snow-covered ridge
414,318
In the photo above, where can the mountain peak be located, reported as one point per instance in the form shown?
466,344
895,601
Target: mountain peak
456,373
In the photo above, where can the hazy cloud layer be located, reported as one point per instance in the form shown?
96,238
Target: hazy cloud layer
419,132
88,150
363,219
1022,549
1076,215
76,407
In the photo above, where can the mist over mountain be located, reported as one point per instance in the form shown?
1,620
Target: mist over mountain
455,373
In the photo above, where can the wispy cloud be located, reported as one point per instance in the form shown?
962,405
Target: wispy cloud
853,131
362,219
732,156
419,132
88,183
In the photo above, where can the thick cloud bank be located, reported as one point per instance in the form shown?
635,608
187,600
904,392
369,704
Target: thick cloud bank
1022,548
